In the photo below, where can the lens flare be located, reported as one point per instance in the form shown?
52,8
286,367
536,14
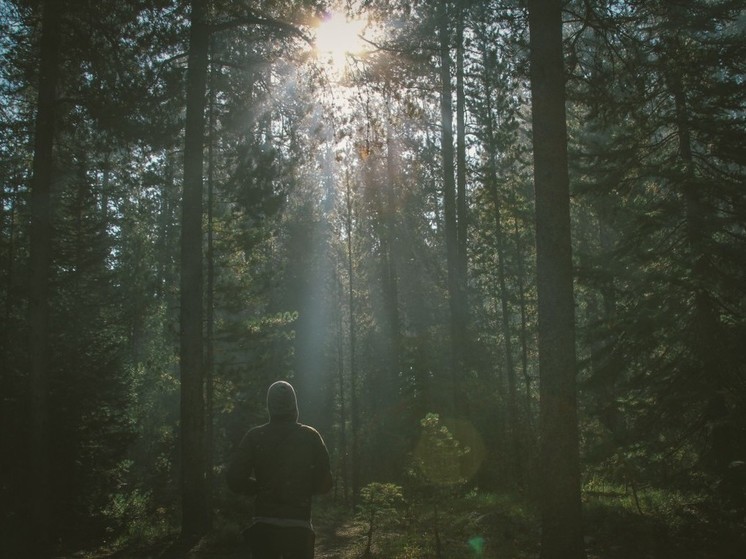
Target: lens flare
476,544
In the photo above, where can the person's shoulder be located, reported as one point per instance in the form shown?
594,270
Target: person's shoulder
309,431
307,428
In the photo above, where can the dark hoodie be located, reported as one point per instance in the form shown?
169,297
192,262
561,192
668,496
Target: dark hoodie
282,462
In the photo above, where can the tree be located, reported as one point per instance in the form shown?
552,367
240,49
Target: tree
89,392
41,244
657,95
462,221
562,535
450,210
495,115
195,516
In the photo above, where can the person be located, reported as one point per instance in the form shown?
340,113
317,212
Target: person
282,463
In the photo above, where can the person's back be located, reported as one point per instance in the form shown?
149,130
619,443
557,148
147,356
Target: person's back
283,463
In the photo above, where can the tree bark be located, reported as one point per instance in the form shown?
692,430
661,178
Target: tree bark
390,250
461,202
449,209
210,305
562,534
194,521
523,305
354,405
389,386
40,487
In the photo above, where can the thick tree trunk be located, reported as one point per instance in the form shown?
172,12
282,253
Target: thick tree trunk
562,534
40,488
194,520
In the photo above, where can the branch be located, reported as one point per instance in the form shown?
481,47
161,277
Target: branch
253,19
403,50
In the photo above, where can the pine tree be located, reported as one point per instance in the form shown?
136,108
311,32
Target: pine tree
562,534
664,191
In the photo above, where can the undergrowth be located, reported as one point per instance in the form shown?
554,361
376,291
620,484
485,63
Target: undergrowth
655,524
660,524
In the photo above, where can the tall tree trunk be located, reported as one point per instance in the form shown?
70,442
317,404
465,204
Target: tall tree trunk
562,534
165,231
449,209
354,404
10,262
461,202
706,332
696,233
492,183
390,264
344,462
210,304
194,521
523,305
40,487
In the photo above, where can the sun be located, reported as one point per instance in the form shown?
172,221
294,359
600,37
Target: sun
338,36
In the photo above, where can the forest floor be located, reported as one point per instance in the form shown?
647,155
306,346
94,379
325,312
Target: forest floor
336,538
483,528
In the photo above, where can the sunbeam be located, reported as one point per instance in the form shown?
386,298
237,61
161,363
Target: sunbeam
338,37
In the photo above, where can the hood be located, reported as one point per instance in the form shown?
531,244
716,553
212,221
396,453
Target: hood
282,403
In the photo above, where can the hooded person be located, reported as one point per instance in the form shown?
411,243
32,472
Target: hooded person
283,464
